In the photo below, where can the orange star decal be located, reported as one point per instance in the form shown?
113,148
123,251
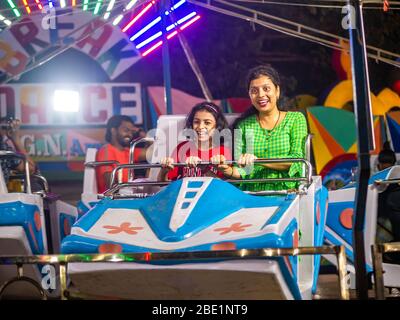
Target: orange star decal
236,227
124,227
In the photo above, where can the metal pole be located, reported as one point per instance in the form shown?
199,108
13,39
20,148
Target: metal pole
377,255
63,281
341,262
365,138
164,4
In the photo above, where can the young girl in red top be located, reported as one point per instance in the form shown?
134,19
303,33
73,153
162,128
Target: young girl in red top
206,120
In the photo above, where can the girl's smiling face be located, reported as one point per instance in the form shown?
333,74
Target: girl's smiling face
204,124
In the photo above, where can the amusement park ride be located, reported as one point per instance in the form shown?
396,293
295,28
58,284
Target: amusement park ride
197,238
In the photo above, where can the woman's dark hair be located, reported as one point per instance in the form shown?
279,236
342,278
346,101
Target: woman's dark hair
115,122
210,107
255,73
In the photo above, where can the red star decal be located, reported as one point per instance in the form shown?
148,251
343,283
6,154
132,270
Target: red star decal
236,227
124,227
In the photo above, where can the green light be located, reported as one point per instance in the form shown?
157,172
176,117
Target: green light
129,258
11,4
85,257
97,8
85,5
15,10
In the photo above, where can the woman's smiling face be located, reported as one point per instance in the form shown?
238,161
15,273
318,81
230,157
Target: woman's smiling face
264,94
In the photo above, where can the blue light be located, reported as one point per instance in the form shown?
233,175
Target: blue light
177,5
190,15
138,34
169,28
142,44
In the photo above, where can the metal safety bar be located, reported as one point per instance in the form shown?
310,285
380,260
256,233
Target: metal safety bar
132,147
13,155
94,164
149,257
377,251
307,178
387,181
112,191
37,176
21,278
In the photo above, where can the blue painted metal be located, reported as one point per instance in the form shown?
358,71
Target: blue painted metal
21,214
321,206
164,4
157,211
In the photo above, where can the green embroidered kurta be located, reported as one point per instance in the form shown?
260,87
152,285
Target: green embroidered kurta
286,140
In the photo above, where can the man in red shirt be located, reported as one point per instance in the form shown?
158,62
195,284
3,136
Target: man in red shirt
121,130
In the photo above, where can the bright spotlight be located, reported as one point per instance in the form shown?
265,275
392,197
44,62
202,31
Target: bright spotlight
66,100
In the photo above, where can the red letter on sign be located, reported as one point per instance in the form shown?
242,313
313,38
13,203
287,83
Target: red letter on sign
28,110
25,32
95,43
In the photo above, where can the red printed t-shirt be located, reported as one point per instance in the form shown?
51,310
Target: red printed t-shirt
187,149
107,153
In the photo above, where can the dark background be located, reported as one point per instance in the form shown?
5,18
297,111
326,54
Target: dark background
226,47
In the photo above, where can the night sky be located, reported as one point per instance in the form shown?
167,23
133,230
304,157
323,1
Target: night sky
226,47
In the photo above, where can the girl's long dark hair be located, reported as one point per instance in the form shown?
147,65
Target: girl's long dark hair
212,108
255,73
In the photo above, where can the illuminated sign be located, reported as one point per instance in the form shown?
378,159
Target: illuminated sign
28,38
33,103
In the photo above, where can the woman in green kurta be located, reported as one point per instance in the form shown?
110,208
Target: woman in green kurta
264,131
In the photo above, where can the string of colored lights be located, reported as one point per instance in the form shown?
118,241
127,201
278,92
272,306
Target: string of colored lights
155,21
107,14
138,16
129,6
97,7
39,5
62,3
169,28
27,8
177,5
5,20
109,9
14,8
171,35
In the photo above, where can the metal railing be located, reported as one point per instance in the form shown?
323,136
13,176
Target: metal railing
307,179
387,181
35,176
132,148
377,251
149,257
13,156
